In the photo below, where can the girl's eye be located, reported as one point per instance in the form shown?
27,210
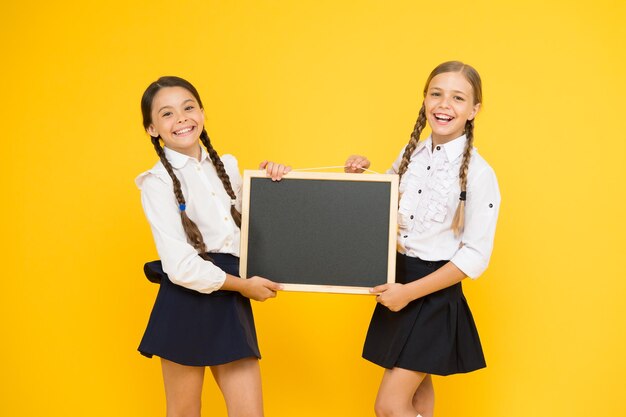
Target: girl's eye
459,98
435,94
166,114
189,108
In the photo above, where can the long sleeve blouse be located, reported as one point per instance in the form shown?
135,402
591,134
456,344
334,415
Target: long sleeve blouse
207,204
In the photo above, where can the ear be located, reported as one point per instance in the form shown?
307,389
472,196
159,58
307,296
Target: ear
152,131
474,111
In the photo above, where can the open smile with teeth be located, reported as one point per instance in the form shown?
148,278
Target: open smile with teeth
184,131
443,117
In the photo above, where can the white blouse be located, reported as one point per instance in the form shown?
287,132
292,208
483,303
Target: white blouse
207,204
429,196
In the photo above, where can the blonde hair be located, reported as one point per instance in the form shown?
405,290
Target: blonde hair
472,76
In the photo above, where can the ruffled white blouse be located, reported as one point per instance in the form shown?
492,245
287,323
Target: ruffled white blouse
429,195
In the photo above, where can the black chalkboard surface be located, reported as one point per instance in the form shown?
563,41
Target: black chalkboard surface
321,232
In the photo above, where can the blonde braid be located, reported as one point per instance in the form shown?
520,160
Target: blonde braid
415,137
459,216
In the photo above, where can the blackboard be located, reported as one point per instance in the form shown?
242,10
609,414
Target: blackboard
320,232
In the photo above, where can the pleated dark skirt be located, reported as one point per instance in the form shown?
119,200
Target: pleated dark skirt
195,329
434,334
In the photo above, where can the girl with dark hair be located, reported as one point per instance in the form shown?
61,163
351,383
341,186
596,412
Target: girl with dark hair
447,214
202,314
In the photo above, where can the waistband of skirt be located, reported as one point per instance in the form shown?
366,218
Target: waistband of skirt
154,270
417,261
222,258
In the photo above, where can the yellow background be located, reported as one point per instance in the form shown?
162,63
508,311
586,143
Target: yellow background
309,82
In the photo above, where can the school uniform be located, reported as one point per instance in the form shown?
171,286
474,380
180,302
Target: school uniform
436,334
193,322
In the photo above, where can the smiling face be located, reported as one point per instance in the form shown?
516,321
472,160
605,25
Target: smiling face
178,119
449,103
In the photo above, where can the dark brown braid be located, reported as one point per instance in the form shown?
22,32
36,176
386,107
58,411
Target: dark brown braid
415,137
223,176
459,216
191,229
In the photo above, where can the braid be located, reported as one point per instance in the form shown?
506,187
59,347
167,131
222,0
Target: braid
459,217
415,137
191,229
221,173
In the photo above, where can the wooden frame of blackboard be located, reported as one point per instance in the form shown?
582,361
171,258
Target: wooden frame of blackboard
382,195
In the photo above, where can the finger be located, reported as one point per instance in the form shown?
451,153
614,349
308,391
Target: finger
280,169
268,294
356,163
348,165
362,163
275,170
283,171
263,164
380,288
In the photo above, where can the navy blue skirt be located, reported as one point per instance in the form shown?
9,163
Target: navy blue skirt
434,334
195,329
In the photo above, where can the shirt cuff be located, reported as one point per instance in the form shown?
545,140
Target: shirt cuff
470,263
201,276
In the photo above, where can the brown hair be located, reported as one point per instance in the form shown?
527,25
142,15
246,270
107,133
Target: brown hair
191,229
474,79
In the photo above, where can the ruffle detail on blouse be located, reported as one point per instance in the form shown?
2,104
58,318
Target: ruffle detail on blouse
429,206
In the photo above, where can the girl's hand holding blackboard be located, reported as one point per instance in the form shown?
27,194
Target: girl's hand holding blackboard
274,170
393,296
260,289
355,164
